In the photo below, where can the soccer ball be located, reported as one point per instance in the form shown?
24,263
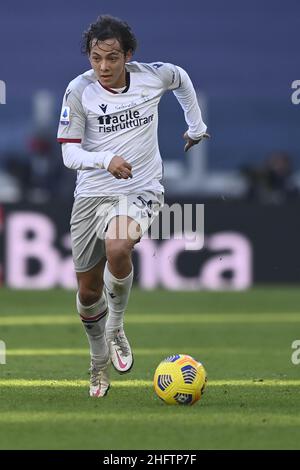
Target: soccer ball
179,380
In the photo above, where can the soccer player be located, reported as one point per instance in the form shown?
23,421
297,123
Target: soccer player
108,132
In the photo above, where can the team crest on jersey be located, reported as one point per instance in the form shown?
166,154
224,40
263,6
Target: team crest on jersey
65,116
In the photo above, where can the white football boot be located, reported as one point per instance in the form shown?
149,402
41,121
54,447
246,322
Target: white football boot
120,352
99,380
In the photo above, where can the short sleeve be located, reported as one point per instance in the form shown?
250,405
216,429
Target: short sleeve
72,118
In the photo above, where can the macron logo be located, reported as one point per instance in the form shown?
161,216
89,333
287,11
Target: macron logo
103,107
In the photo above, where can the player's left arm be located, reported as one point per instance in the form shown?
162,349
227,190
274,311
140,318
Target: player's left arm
182,87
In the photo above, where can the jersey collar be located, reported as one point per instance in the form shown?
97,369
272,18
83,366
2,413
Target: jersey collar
127,78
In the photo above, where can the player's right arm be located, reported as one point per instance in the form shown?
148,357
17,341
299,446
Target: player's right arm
76,158
70,134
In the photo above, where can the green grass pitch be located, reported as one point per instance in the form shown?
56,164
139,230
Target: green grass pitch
243,339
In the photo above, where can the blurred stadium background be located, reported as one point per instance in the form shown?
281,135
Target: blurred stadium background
242,58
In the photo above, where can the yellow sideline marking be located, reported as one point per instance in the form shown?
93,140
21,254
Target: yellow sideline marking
54,320
145,383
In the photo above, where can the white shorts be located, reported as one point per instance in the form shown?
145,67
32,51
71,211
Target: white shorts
91,216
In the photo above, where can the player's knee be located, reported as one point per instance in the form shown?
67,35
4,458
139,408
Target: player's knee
88,296
117,250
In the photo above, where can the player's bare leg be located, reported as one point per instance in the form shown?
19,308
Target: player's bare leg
92,308
118,276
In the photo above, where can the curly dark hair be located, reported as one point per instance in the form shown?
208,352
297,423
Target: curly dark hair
108,27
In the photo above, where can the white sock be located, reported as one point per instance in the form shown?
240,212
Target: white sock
118,291
94,319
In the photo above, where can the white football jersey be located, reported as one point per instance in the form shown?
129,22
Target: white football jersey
124,124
